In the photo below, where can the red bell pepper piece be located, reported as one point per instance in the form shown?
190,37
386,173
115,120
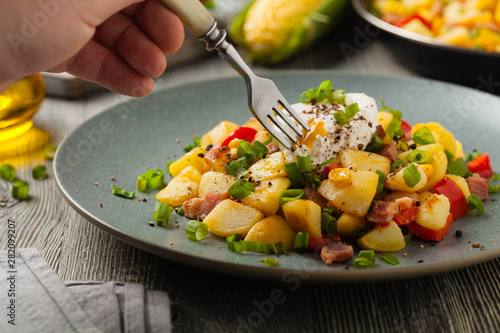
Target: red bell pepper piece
458,205
242,133
406,216
413,17
331,167
426,233
405,126
481,165
382,225
317,243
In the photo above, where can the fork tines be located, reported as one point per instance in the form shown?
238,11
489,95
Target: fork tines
285,120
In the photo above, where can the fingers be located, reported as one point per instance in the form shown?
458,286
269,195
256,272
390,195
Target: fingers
96,63
121,34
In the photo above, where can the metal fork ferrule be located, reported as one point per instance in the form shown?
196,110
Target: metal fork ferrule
214,37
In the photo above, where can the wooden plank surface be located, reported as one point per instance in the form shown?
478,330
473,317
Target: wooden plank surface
466,300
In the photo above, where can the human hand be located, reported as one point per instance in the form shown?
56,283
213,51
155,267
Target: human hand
116,43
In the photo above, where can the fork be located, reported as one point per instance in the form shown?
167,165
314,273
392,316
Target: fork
264,99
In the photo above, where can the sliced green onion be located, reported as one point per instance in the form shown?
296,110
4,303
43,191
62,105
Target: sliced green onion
397,164
307,96
243,147
361,231
475,153
375,144
237,168
162,213
420,157
322,91
394,128
390,258
304,163
341,117
20,189
49,151
294,175
291,195
196,230
251,150
381,179
337,95
241,189
493,188
154,178
249,246
279,248
234,238
328,224
141,183
313,179
331,211
404,146
365,259
423,136
122,192
189,147
475,203
449,156
351,110
168,167
7,172
408,237
459,168
411,175
301,242
270,262
269,139
39,172
395,113
180,211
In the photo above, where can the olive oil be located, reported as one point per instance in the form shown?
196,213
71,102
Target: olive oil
18,104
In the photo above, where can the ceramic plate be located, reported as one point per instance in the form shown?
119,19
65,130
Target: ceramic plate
124,141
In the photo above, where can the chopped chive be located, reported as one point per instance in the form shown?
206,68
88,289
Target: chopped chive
396,114
475,153
234,238
331,211
7,172
49,151
20,189
189,147
375,144
411,175
365,259
304,163
39,172
141,183
249,246
420,157
154,178
394,128
279,248
270,262
390,258
404,146
328,224
475,203
449,156
162,213
122,193
291,195
459,168
196,230
423,136
337,95
293,172
381,179
180,211
301,242
269,139
351,110
397,164
493,188
341,117
237,168
241,189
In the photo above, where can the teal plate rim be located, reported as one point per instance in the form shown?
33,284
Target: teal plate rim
126,139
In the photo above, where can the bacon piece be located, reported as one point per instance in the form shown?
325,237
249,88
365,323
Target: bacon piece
272,148
197,208
400,194
336,252
382,212
478,186
404,203
390,151
313,195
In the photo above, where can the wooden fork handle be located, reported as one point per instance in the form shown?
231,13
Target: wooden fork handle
193,14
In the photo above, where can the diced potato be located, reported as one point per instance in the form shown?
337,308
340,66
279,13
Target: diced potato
212,181
221,131
230,217
462,183
384,118
424,195
254,123
460,151
433,212
347,223
272,230
396,181
181,188
303,216
363,160
205,140
417,27
262,136
218,158
398,194
383,239
439,165
272,166
445,137
267,195
356,197
191,158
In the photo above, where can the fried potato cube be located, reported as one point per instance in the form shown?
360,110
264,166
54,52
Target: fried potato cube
384,238
181,188
303,216
272,166
348,223
272,230
212,181
396,181
230,217
433,212
192,158
266,197
364,160
218,158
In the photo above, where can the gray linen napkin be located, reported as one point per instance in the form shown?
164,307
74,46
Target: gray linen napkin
34,299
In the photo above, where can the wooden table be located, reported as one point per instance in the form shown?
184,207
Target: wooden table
467,300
